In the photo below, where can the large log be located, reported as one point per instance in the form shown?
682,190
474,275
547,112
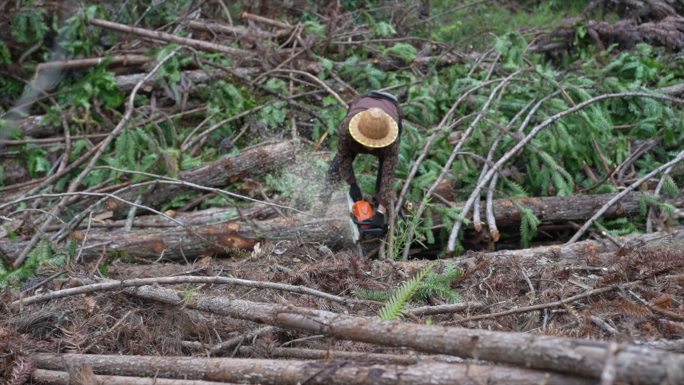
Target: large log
561,209
220,239
219,173
285,372
633,364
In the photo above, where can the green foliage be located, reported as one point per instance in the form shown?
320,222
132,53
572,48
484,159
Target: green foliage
41,255
394,307
98,83
403,51
439,285
5,55
29,25
670,186
76,36
528,224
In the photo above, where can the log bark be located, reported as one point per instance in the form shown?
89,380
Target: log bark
285,372
54,377
218,173
667,32
560,209
177,243
634,364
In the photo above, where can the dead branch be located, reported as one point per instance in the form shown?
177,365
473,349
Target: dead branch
451,246
636,365
247,33
92,62
617,197
218,173
283,372
265,20
447,165
548,305
117,285
445,309
170,38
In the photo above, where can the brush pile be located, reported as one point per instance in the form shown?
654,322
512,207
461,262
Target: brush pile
160,166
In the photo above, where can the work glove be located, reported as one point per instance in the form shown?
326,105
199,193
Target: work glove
355,192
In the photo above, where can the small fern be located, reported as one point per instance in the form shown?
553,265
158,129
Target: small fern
394,308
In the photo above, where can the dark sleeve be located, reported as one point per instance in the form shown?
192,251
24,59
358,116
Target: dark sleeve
346,156
386,171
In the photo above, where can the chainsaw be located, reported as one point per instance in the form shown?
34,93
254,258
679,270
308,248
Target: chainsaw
361,214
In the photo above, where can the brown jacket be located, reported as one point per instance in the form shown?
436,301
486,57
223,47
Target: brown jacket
341,167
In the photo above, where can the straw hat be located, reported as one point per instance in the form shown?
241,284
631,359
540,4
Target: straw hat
373,128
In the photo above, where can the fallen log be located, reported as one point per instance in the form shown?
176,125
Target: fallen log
224,239
633,364
219,173
285,372
54,377
560,209
667,32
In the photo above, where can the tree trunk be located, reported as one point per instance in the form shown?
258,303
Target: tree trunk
53,377
285,372
634,364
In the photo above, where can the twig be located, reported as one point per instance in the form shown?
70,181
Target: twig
603,325
264,20
109,284
191,140
167,37
447,165
168,180
445,309
92,62
550,120
491,218
318,81
85,238
617,197
667,313
547,305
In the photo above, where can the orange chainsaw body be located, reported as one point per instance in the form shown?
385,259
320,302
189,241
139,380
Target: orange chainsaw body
362,211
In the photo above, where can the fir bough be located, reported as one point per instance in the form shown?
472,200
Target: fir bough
395,307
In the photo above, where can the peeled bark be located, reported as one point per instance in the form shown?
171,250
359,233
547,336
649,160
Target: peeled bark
285,372
634,364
